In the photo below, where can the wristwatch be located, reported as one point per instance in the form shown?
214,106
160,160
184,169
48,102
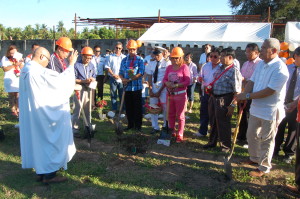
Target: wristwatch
248,96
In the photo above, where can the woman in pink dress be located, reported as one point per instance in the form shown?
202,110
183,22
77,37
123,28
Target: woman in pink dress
176,79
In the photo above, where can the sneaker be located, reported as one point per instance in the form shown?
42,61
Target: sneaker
187,117
122,115
245,146
199,135
111,114
288,159
160,116
17,126
147,116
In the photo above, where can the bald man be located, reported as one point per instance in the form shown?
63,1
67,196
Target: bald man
45,121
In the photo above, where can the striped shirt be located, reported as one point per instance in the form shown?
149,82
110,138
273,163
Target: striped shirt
138,67
56,64
229,82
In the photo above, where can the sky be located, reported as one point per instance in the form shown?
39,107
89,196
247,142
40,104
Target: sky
19,13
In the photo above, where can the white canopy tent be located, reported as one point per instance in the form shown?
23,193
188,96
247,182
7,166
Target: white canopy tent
292,33
217,34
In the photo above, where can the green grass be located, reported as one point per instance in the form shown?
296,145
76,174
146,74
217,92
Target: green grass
108,170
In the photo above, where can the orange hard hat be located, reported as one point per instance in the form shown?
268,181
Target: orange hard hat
65,43
139,43
290,61
283,54
284,46
87,51
132,44
177,52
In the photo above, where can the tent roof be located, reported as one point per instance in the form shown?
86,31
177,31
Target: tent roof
217,34
292,32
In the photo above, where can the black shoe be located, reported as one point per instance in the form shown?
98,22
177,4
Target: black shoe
154,131
208,146
76,135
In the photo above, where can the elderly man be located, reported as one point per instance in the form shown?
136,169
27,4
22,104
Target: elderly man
58,60
45,122
205,78
227,83
112,65
156,71
131,73
252,54
292,92
266,88
84,74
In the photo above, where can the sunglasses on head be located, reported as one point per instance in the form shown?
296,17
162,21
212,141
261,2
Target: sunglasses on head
213,56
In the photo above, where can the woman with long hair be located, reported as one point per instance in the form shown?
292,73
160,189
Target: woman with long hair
176,79
11,64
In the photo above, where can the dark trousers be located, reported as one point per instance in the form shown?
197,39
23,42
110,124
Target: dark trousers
289,146
133,103
100,84
297,168
244,122
204,116
213,136
222,121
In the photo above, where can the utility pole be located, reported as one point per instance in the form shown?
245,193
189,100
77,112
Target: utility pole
158,15
75,20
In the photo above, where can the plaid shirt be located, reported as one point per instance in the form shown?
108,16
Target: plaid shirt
138,67
229,82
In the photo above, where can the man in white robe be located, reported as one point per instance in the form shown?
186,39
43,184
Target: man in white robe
45,122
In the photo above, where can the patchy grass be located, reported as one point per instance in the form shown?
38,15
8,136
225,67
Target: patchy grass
109,170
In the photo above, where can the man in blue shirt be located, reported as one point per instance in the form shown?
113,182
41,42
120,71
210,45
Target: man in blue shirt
131,73
84,74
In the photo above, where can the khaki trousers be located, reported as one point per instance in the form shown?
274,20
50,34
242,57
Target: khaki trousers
261,141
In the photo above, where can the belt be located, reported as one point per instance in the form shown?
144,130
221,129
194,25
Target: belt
177,93
223,95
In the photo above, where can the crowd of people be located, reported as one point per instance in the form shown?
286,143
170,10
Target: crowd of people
265,87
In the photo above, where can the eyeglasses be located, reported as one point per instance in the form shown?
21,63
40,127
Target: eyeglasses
118,48
215,56
46,57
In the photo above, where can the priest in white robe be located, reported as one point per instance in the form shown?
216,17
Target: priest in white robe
46,137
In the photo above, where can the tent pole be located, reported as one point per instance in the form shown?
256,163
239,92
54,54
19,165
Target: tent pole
158,15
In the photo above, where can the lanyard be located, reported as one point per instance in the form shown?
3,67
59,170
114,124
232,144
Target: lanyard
132,62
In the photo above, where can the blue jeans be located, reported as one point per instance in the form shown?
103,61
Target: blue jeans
116,89
204,117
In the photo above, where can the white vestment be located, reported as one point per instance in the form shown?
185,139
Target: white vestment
45,122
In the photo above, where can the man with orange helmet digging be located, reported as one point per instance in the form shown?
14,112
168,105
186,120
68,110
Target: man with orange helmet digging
58,60
84,75
131,73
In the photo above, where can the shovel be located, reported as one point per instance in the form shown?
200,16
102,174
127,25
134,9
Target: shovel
88,126
118,125
227,163
164,137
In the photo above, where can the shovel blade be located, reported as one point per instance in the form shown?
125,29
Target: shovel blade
118,128
228,168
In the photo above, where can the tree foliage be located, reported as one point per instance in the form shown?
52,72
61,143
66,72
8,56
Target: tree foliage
42,31
279,8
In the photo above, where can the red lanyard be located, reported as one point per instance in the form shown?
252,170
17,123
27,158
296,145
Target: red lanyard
221,74
62,62
132,62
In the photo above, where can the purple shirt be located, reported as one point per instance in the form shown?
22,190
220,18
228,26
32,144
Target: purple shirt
248,68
